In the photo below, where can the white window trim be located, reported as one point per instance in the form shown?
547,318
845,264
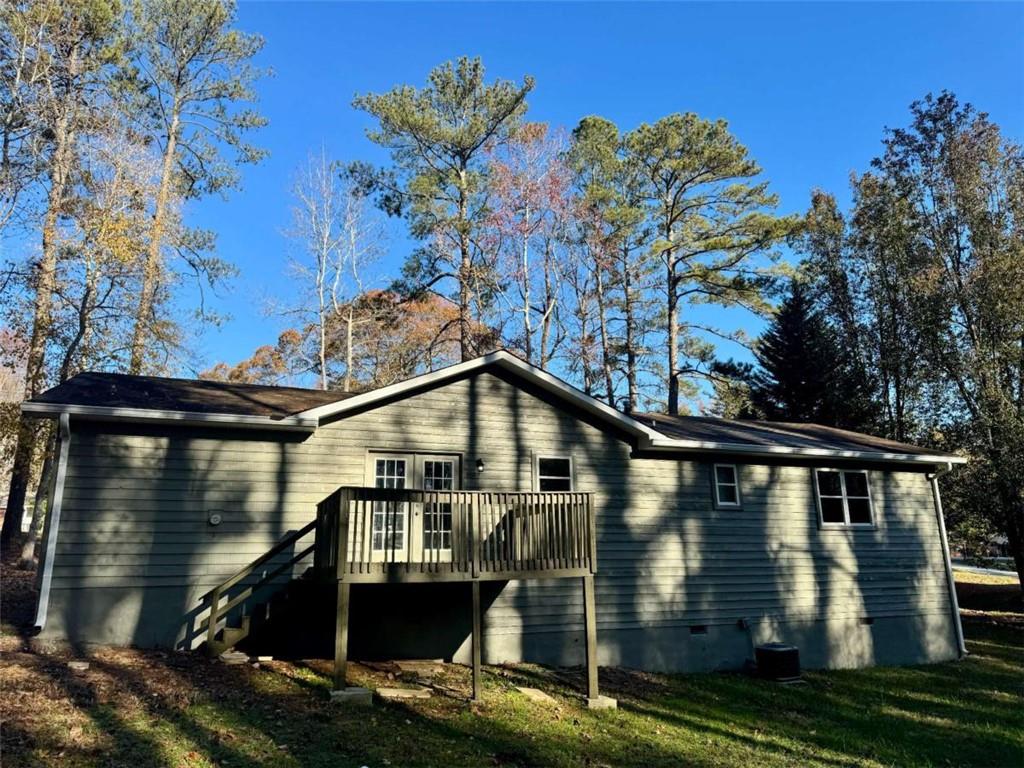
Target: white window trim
562,457
739,494
846,506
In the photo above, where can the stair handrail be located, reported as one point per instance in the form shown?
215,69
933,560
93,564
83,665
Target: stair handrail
214,595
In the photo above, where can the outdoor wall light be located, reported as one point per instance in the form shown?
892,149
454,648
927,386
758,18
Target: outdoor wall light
214,518
480,466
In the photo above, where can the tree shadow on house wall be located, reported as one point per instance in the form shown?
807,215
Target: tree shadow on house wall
138,533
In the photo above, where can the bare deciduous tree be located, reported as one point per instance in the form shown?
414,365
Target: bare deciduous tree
337,237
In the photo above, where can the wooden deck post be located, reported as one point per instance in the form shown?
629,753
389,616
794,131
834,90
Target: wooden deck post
476,641
590,627
341,636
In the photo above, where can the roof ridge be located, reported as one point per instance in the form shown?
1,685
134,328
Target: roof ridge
210,382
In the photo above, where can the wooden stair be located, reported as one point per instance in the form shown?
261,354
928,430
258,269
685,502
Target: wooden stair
239,589
228,637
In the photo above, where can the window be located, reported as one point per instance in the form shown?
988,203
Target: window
554,473
727,485
843,497
438,475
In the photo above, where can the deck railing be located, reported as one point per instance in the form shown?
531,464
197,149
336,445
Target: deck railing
398,534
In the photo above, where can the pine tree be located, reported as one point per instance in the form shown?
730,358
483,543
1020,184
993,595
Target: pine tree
802,374
439,138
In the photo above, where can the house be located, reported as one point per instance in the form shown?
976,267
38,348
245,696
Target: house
487,510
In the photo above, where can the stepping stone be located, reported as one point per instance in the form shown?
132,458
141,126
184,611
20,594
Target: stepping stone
419,692
602,702
78,666
420,667
536,695
234,657
352,696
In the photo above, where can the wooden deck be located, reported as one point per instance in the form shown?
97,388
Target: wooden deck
387,535
381,535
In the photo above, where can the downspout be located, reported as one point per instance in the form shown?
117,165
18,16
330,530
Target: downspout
940,470
54,522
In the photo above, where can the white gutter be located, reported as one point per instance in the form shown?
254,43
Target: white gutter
950,581
54,524
297,423
768,451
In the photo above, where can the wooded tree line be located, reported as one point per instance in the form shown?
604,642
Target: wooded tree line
907,316
586,252
113,117
591,252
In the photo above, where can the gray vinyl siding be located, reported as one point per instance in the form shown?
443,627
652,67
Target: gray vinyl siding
135,551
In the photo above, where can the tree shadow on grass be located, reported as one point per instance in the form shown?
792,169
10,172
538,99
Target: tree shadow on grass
168,709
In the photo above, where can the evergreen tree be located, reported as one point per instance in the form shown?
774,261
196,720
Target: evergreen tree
801,374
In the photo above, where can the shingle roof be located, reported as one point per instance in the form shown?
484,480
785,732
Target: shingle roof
769,433
201,398
118,390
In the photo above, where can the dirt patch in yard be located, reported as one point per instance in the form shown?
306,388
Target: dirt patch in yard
987,603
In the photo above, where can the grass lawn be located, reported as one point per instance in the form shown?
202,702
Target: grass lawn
139,709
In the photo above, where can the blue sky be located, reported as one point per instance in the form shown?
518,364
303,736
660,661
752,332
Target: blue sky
807,87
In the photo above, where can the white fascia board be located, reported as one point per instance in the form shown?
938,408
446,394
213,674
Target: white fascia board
143,415
768,451
508,362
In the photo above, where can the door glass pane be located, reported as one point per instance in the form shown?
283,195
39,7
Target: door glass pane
860,511
438,475
832,510
389,516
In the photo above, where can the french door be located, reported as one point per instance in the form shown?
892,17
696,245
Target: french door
403,531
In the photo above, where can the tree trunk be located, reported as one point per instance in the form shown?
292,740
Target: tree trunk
348,349
549,309
673,341
465,274
627,298
321,319
44,283
1016,544
151,268
527,319
82,332
605,342
41,507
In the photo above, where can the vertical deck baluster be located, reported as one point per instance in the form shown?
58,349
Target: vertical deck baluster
574,512
528,560
577,550
491,534
366,511
581,527
543,509
557,533
506,531
558,539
